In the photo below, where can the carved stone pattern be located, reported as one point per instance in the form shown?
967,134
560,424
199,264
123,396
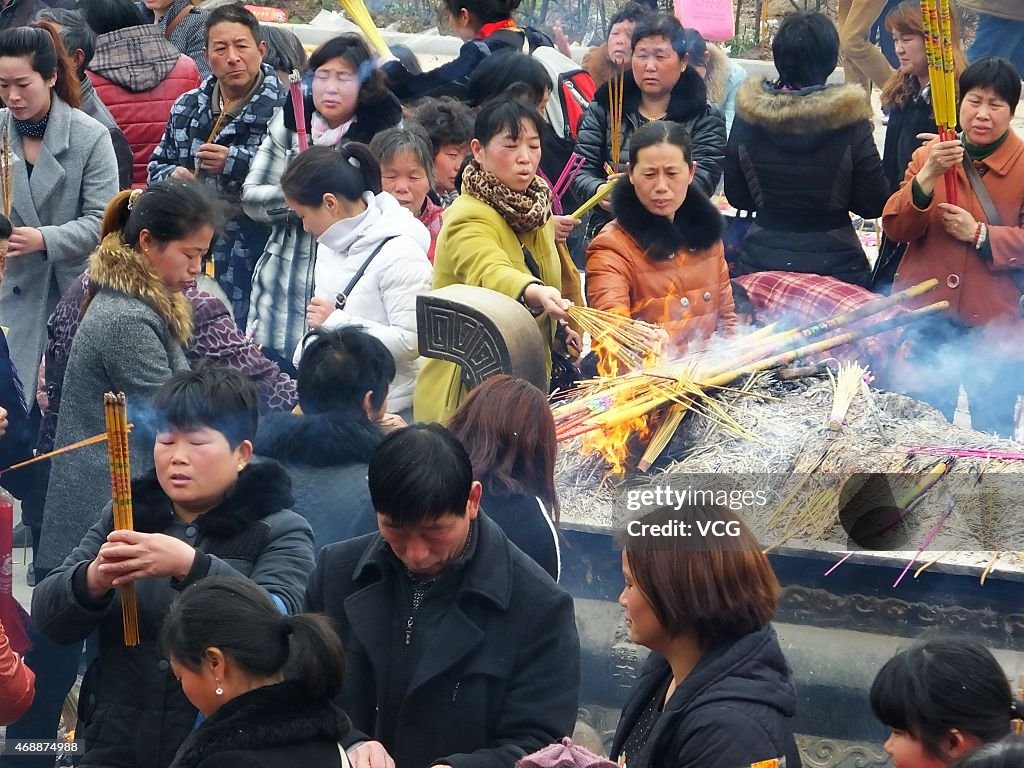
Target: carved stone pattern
818,607
461,338
826,753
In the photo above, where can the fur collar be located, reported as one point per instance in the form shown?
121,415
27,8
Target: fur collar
689,97
807,111
116,266
317,440
273,716
371,119
718,74
697,225
262,489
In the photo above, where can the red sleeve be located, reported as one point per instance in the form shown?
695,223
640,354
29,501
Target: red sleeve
902,221
17,683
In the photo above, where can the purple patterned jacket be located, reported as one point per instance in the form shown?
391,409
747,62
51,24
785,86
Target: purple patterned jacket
215,336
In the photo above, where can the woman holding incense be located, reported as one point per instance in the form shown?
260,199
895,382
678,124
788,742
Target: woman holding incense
203,510
498,234
371,259
507,428
942,698
906,97
659,85
716,690
973,247
484,26
229,645
57,172
802,156
661,260
348,101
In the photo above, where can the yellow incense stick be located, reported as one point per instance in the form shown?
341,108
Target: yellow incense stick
601,194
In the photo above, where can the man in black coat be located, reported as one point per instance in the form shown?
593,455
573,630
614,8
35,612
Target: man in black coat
461,651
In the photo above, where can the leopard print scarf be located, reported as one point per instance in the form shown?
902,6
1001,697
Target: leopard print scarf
523,211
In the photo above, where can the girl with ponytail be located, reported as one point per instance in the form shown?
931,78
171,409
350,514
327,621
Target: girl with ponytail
942,699
371,259
229,646
62,171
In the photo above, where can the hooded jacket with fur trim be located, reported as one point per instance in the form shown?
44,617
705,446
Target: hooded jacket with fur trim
688,106
327,455
273,726
130,340
668,272
804,160
133,712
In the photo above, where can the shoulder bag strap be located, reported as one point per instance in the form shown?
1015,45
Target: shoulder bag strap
344,757
342,298
994,219
176,21
981,192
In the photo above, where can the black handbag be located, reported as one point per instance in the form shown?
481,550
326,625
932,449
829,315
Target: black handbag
564,372
736,230
883,272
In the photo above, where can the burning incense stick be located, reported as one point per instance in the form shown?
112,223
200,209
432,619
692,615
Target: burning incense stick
298,108
225,108
115,412
615,87
5,171
361,17
66,449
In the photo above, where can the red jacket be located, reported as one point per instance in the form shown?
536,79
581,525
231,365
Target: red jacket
139,76
17,683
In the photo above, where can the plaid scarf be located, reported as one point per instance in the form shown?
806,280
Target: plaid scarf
523,211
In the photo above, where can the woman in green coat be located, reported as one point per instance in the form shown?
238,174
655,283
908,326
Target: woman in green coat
498,234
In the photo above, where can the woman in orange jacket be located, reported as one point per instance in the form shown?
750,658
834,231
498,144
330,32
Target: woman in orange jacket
661,260
17,683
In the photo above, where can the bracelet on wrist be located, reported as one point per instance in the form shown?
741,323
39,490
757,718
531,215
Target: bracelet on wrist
980,236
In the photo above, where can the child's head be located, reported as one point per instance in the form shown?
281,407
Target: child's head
941,698
224,637
347,372
206,420
449,124
406,166
322,186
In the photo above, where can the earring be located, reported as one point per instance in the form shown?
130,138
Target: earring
219,691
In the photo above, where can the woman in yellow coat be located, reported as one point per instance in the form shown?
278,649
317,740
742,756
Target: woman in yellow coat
498,234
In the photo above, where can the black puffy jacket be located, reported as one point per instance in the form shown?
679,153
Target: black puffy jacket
905,123
804,160
688,106
733,710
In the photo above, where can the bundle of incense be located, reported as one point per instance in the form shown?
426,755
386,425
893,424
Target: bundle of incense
298,108
569,173
937,21
225,108
845,386
5,172
617,333
964,453
115,411
615,86
640,393
361,17
596,198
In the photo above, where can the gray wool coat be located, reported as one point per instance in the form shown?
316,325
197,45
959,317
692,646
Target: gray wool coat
130,340
74,178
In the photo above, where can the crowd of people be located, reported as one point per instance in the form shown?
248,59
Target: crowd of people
323,572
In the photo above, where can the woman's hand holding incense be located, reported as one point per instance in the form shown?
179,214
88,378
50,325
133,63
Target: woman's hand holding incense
129,556
958,222
547,299
942,156
607,203
25,240
564,225
212,158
